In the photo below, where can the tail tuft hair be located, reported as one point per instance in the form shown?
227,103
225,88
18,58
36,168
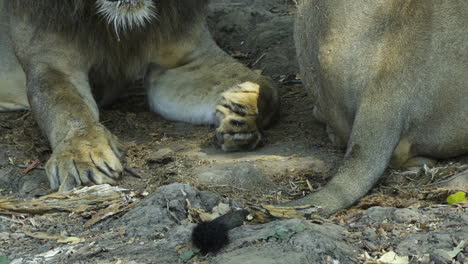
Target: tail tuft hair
213,236
210,236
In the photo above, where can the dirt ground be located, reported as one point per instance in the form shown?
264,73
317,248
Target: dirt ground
405,213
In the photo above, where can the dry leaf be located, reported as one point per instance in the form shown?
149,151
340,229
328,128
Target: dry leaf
59,238
71,240
458,197
392,258
198,214
221,209
456,250
41,235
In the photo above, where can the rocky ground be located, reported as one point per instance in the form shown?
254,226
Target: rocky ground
180,177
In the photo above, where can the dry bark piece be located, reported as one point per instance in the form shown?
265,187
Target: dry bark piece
111,210
77,201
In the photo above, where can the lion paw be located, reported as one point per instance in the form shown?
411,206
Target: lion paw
237,115
90,157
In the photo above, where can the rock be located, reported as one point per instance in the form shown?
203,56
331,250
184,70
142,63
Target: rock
163,209
34,184
29,185
17,236
458,181
462,258
255,173
406,215
163,155
424,234
440,257
3,157
442,240
376,215
4,235
237,174
304,243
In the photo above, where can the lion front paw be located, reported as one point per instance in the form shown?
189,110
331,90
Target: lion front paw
237,118
92,156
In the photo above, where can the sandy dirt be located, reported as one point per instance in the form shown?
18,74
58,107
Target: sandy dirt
405,213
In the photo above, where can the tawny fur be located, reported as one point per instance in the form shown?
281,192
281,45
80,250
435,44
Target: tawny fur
70,56
390,80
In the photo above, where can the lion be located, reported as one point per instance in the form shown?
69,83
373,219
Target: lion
390,80
65,59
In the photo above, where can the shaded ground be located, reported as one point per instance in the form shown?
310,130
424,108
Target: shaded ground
296,157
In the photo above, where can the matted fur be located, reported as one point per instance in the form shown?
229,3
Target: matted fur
126,15
79,21
389,78
67,15
72,58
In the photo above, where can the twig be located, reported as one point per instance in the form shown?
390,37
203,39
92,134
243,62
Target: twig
446,179
31,166
310,186
10,220
293,185
226,186
23,116
259,59
292,94
26,166
171,213
410,179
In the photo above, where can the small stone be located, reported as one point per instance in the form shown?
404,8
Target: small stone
161,156
4,236
369,233
17,236
462,258
243,175
426,258
406,215
371,246
3,158
440,257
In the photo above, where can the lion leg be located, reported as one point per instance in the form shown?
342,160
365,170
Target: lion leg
60,98
84,151
403,157
369,150
12,79
212,88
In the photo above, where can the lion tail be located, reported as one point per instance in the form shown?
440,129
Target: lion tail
370,147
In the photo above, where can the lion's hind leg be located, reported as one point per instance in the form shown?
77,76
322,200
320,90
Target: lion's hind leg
13,96
12,78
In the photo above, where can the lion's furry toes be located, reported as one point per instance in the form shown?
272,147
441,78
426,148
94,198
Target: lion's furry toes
237,118
91,157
